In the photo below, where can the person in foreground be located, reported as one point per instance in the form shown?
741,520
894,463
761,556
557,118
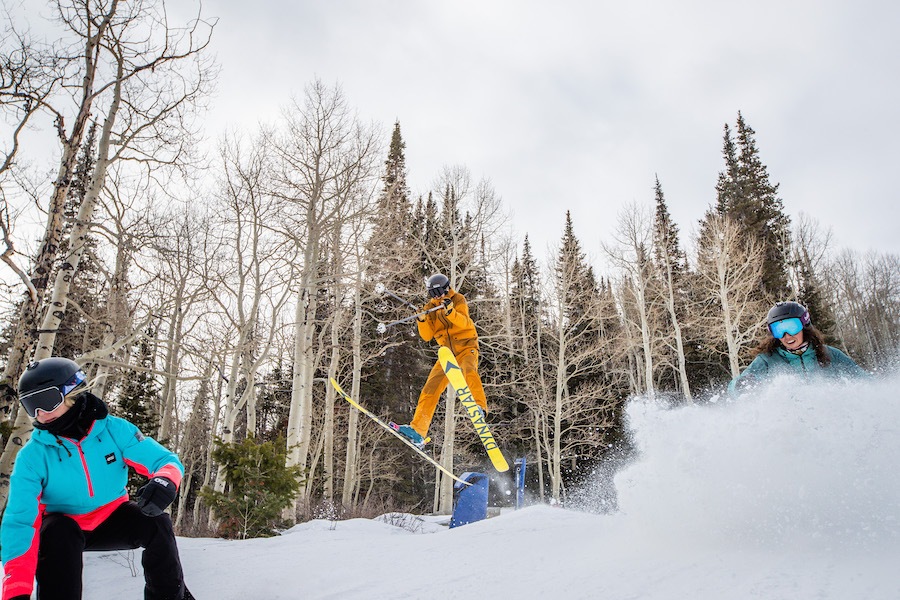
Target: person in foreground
451,327
795,346
67,492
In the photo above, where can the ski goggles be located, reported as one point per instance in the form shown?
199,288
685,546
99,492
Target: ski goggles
49,398
437,292
791,326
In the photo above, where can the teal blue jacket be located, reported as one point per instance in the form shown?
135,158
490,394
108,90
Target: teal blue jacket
82,479
782,362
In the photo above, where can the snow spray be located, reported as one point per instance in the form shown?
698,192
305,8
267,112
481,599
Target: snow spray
791,464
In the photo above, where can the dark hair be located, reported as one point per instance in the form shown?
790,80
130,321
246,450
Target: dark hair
810,334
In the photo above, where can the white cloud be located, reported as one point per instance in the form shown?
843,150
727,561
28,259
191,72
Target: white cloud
571,105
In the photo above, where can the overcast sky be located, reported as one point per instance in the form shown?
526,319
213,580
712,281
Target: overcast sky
577,106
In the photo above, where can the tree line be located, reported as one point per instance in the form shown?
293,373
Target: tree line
211,298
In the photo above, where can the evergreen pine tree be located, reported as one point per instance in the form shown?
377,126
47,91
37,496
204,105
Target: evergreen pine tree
388,247
666,245
525,292
671,264
746,195
392,259
258,487
139,399
517,356
593,396
573,259
273,404
79,330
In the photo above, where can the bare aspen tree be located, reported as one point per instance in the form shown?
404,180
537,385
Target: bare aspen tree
578,403
729,268
631,255
883,291
865,290
152,289
853,327
668,294
338,264
195,442
349,267
334,362
29,74
144,85
121,230
472,213
811,243
26,65
250,284
322,158
345,248
352,458
177,263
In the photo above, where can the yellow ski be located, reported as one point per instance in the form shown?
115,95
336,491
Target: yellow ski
458,381
372,416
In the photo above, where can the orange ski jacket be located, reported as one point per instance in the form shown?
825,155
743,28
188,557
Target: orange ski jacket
456,330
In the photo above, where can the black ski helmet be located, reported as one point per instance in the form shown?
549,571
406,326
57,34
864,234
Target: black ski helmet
47,382
786,310
438,284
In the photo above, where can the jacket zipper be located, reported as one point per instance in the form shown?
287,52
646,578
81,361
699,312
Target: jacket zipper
87,473
446,321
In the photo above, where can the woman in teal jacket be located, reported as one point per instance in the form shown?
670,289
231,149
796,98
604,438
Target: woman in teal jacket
796,347
67,492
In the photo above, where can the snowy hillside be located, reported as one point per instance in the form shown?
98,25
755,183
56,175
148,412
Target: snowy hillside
785,494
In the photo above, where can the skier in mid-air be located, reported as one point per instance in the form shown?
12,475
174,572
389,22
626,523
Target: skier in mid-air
451,327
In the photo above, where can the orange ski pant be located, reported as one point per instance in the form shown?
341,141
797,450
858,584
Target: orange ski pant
437,383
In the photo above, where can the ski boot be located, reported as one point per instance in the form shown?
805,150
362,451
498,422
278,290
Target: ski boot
411,434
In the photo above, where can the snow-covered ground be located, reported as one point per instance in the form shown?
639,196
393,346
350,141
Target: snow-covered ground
787,493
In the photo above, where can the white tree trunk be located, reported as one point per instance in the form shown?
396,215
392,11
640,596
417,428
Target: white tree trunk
445,505
556,455
676,331
351,466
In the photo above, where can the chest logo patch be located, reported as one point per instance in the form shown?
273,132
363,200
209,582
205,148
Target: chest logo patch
110,458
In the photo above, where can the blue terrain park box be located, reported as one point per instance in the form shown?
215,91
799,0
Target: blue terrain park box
470,501
520,482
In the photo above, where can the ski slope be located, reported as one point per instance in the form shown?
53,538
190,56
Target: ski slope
791,492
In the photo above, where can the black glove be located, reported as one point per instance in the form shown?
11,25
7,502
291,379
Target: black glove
448,306
156,496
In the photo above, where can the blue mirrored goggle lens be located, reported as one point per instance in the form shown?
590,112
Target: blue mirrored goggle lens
77,379
46,399
791,326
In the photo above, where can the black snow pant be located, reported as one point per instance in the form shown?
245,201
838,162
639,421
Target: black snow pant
62,543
